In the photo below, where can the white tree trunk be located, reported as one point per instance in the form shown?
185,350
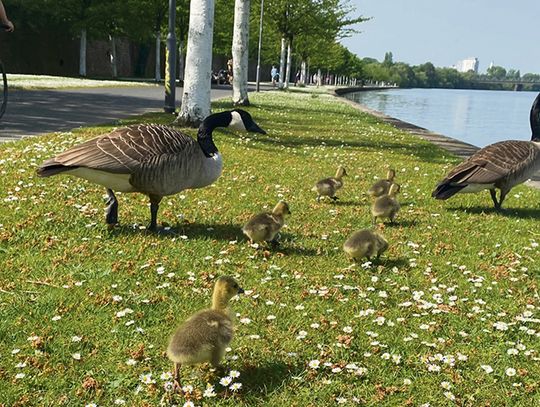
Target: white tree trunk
82,53
114,66
319,78
303,73
181,60
158,57
282,63
289,60
240,52
196,98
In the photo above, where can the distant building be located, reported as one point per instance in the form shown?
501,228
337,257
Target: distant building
468,64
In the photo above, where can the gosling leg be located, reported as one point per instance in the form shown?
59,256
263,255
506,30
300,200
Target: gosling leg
176,375
112,209
154,206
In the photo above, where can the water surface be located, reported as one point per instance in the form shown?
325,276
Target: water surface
478,117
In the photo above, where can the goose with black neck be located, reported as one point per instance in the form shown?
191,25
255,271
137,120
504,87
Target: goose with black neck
151,159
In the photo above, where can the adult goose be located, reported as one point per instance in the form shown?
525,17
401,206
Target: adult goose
502,165
152,159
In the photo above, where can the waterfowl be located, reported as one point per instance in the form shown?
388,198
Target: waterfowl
152,159
365,243
329,186
204,336
382,186
265,226
386,206
502,166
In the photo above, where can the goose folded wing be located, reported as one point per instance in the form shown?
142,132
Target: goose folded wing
493,163
124,150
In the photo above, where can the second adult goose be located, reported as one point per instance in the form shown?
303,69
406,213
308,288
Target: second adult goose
152,159
501,165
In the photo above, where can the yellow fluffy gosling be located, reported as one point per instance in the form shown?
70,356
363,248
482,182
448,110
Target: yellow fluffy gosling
365,243
329,186
265,226
206,334
382,186
386,206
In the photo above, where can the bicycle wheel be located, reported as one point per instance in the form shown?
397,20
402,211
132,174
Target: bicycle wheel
3,91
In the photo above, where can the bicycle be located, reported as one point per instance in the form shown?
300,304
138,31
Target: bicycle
4,92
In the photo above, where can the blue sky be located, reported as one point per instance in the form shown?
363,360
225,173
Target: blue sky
445,31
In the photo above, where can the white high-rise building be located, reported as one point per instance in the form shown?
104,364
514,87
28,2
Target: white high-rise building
468,64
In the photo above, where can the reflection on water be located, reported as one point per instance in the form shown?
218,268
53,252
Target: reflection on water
477,117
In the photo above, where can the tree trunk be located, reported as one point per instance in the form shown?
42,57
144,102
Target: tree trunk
181,60
112,56
303,73
240,52
196,98
158,57
82,53
282,63
319,77
289,60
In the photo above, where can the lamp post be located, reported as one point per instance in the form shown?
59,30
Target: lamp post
260,43
170,62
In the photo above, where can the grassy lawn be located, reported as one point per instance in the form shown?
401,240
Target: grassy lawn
448,317
21,81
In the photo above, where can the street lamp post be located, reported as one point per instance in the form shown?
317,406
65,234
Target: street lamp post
170,62
260,43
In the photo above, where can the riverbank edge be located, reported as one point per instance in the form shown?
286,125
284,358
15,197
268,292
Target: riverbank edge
459,148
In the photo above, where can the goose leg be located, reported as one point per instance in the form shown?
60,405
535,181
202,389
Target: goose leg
501,198
154,206
175,377
494,198
112,209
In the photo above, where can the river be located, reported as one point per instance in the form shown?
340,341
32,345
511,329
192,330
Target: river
478,117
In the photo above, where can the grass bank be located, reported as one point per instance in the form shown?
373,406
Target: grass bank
29,82
448,317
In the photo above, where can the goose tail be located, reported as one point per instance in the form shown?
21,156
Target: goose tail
446,190
51,167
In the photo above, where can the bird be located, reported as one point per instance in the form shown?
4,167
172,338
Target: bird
152,159
365,243
204,336
265,226
386,206
329,186
382,186
501,165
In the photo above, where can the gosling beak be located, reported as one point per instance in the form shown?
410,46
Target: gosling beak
240,290
254,128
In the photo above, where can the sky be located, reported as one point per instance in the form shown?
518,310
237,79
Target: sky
505,32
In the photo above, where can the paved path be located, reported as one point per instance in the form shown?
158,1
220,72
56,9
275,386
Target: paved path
34,112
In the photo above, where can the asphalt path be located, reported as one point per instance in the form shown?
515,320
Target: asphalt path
33,112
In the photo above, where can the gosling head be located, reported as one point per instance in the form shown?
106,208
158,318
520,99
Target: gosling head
341,172
225,288
282,208
390,174
394,189
242,121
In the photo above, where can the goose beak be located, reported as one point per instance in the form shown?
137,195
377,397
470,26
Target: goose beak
254,128
240,290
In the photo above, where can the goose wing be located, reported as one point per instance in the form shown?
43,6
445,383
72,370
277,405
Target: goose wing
124,150
493,163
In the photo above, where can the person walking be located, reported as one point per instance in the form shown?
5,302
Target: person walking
274,75
4,20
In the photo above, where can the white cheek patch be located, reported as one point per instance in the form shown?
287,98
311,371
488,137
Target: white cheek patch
237,123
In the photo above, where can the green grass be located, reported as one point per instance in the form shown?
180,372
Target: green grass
452,271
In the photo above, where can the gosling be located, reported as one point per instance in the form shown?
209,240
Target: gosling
206,334
265,226
382,186
365,243
329,186
386,206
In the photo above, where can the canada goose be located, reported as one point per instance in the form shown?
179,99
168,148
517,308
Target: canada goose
365,243
205,335
386,206
329,186
502,165
382,186
152,159
265,226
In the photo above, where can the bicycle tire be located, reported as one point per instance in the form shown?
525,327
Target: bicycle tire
4,93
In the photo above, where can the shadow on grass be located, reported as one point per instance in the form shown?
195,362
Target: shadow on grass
400,223
522,213
191,230
266,378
